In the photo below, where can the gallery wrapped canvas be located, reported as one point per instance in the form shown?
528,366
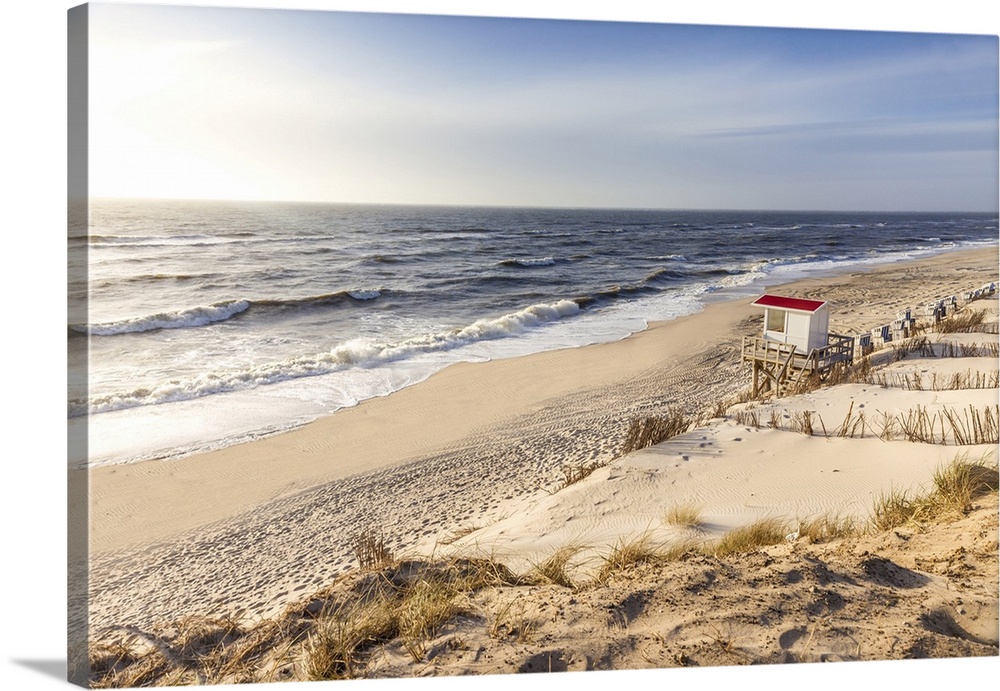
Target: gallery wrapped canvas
407,345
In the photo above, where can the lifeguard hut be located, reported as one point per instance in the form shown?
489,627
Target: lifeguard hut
796,343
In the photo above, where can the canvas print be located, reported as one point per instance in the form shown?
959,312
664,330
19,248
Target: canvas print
408,345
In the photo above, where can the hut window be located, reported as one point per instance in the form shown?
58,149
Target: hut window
776,320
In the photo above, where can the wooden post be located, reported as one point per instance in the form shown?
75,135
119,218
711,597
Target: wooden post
776,368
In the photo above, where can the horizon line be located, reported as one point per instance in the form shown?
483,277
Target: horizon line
532,206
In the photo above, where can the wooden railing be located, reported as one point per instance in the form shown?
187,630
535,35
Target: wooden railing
778,368
838,349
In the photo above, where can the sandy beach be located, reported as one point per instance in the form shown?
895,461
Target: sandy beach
470,462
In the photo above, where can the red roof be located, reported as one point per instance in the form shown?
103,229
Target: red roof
799,304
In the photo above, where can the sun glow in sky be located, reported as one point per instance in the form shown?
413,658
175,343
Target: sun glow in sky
196,102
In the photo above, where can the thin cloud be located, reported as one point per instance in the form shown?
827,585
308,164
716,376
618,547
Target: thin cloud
393,108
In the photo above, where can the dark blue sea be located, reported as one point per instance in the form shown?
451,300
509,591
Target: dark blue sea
210,323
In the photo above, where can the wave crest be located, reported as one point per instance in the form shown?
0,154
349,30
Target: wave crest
359,352
181,319
220,311
529,263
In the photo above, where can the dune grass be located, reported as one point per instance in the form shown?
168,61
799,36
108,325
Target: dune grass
574,473
649,431
627,554
118,665
892,509
192,650
955,487
762,533
370,549
555,568
684,516
333,650
968,321
827,527
427,605
407,600
959,483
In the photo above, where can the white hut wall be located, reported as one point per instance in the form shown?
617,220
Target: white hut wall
798,331
819,328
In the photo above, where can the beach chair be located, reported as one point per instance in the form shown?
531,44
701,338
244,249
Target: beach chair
882,333
904,314
863,339
863,345
898,329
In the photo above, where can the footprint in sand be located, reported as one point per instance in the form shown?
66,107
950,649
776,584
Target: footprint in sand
789,638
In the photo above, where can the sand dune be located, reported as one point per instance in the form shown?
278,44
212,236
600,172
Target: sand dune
735,474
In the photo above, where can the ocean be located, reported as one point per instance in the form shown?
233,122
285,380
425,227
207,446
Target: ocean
212,323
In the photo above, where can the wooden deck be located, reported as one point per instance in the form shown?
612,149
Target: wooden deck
777,367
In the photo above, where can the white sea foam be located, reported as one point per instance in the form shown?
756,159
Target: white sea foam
358,352
542,261
195,316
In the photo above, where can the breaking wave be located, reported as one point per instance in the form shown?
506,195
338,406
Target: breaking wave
528,263
359,352
220,311
182,319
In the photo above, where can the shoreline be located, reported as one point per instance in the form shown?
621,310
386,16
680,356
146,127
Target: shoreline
499,492
191,426
151,501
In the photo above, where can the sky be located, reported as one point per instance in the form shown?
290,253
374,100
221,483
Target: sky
227,103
